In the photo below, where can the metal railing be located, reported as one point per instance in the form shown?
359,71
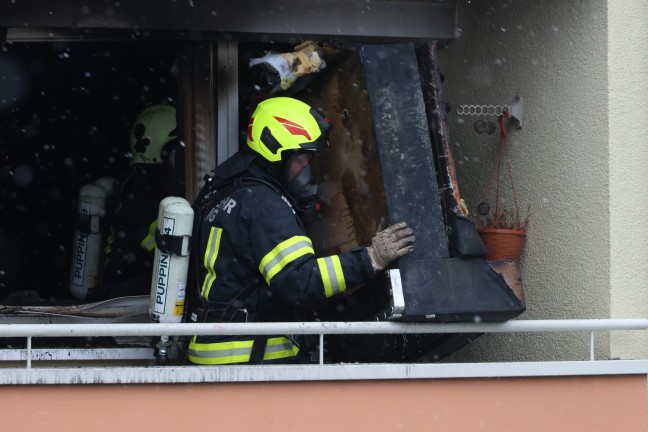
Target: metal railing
321,329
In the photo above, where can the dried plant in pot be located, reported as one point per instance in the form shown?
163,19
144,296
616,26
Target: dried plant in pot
503,231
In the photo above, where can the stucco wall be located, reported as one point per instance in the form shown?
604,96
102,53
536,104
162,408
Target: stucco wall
600,403
554,55
628,113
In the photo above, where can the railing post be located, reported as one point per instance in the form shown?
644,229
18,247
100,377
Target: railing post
321,348
592,345
29,351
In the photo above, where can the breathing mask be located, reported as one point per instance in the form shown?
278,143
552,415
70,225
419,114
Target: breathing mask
301,175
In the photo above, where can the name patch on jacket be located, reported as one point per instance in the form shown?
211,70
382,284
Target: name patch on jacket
226,205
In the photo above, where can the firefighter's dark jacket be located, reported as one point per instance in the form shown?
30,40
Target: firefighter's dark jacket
255,256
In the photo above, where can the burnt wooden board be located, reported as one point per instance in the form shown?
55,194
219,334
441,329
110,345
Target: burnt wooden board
351,181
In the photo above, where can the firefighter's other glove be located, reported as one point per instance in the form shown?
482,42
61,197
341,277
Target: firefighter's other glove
390,244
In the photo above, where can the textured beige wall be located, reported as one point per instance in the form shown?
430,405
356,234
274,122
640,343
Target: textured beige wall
628,112
554,55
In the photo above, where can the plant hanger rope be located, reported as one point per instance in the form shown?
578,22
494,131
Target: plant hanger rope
496,173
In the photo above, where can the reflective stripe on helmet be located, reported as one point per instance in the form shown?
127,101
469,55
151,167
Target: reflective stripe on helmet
283,254
294,128
238,351
209,260
332,275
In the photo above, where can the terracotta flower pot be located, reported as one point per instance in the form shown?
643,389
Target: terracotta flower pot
502,244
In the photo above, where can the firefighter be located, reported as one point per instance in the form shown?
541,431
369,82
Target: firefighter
254,261
132,213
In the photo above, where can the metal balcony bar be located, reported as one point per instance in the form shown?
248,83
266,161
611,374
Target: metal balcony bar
30,331
320,328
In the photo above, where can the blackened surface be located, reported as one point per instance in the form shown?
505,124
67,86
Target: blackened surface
404,147
435,286
457,289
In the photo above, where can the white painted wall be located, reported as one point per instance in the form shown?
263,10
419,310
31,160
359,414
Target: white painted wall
628,120
554,55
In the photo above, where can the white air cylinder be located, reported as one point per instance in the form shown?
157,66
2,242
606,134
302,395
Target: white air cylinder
170,269
106,183
86,252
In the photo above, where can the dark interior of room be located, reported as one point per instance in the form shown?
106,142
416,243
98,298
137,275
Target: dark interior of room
65,114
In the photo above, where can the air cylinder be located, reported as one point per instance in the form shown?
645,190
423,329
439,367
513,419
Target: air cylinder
86,252
171,261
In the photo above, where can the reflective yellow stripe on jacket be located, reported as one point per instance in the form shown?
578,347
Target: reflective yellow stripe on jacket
332,275
149,241
284,253
238,351
209,260
289,250
109,242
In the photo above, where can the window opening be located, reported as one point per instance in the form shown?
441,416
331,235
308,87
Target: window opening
66,109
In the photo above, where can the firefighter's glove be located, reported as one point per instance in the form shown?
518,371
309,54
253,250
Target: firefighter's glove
390,244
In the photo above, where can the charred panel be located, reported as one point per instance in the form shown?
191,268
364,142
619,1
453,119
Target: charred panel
390,161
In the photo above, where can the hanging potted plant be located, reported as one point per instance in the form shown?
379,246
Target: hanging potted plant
502,230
